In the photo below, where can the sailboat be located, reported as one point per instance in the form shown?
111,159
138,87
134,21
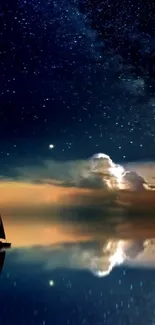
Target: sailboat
3,244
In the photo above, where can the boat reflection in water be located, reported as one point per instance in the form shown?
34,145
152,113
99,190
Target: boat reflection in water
3,244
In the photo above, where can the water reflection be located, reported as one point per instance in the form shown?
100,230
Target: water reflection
125,296
97,246
51,274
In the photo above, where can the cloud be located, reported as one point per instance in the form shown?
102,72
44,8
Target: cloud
146,169
135,181
97,172
77,191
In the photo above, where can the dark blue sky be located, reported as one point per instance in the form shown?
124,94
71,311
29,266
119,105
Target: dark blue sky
77,76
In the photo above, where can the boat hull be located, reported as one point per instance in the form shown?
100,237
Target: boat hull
4,245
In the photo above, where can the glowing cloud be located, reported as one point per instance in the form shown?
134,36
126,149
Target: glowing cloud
115,176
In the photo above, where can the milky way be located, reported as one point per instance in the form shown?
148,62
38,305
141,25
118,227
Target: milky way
69,75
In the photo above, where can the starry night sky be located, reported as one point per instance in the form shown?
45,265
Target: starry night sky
79,75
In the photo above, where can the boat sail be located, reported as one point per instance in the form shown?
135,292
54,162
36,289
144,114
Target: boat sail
3,243
2,231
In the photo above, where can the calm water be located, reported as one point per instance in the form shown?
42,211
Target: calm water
32,292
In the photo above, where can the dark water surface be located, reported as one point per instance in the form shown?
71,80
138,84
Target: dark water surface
31,292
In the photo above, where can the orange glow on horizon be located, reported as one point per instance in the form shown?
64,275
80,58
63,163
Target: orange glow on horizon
29,219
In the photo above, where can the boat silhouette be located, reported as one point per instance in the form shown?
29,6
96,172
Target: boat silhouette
3,244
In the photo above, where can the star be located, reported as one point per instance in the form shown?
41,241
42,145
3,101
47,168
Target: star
51,146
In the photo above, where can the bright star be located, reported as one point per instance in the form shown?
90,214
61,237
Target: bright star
51,146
